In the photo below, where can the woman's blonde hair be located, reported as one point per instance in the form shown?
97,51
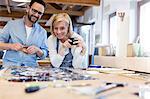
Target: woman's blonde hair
61,17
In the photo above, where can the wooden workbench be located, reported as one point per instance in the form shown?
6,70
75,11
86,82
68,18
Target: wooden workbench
15,90
44,62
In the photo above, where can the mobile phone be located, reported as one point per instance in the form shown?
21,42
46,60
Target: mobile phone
72,41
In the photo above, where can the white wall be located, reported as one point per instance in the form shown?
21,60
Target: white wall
123,36
126,29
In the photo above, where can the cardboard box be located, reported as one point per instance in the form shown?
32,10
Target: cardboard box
133,50
105,51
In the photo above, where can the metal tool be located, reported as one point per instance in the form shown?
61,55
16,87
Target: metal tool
109,86
34,88
31,89
107,95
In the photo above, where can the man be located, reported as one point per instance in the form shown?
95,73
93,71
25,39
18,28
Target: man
24,39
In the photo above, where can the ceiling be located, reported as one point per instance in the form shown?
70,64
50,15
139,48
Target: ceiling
9,8
12,9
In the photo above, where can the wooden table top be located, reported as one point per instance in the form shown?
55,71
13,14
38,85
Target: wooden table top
15,90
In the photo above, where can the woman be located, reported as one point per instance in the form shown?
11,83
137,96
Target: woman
62,52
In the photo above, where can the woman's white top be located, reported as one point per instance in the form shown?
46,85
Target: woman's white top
57,59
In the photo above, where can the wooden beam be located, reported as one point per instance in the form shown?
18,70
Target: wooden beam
50,7
76,2
13,14
19,14
51,10
48,12
72,13
85,8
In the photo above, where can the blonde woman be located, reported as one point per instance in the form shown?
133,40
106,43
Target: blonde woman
66,48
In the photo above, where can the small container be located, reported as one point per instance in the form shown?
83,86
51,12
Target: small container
144,92
94,66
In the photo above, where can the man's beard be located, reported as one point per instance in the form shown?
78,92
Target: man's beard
30,18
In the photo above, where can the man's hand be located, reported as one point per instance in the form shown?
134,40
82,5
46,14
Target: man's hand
32,49
16,46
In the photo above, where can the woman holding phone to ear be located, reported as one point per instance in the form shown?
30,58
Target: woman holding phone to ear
66,48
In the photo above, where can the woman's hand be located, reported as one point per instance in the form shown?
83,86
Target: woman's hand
67,44
80,43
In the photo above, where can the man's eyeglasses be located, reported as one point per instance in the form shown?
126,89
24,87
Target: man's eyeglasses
34,11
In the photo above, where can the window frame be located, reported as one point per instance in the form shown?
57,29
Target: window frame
140,4
110,16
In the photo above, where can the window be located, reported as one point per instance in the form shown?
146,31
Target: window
113,29
144,26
